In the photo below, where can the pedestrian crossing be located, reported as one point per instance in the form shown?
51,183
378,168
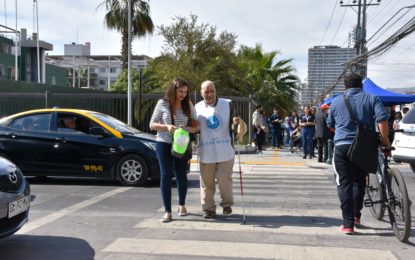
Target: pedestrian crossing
280,204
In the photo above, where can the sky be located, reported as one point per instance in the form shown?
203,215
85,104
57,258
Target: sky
289,27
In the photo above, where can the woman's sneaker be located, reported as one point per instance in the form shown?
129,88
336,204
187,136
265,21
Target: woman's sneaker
182,211
167,217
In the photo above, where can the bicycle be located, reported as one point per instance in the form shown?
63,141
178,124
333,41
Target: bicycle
386,189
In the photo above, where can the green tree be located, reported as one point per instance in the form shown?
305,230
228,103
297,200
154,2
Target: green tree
196,52
117,19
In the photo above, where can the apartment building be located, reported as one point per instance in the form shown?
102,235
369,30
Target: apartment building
325,64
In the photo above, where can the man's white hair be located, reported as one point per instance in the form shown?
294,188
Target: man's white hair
208,83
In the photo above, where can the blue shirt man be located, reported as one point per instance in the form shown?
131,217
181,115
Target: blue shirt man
350,179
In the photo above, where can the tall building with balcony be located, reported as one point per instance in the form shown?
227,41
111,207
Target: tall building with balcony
325,64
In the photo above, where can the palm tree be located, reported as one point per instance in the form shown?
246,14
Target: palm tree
271,84
117,19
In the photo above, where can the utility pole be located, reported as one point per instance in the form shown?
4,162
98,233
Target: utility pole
360,37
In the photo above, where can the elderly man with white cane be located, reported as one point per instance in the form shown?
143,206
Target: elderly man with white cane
215,149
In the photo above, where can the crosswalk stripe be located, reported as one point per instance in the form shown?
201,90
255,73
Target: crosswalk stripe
262,220
242,250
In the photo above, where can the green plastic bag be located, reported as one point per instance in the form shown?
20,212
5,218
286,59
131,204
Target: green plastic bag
181,147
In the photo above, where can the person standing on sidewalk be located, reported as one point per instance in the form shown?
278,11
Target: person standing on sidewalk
322,133
307,132
275,120
256,127
173,111
350,179
216,151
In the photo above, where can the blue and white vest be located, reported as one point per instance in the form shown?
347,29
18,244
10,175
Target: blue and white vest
215,140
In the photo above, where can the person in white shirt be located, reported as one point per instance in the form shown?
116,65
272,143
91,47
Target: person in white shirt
215,149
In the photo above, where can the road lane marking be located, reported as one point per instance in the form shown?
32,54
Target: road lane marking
240,250
68,210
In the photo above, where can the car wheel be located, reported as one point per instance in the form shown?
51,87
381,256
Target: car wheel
132,170
412,166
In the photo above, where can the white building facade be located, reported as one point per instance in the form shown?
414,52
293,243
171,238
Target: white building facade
92,71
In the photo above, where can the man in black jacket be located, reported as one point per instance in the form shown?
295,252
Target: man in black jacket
322,132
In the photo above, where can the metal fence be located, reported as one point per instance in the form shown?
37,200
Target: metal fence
112,104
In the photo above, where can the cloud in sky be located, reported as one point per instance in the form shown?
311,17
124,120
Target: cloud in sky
291,27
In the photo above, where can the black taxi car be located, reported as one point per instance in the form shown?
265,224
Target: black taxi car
80,143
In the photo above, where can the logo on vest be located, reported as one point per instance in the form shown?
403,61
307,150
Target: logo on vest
213,122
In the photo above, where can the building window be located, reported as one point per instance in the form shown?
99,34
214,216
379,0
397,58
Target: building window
1,70
113,70
102,70
91,70
102,82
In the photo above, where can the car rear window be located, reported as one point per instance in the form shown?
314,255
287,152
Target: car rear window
409,118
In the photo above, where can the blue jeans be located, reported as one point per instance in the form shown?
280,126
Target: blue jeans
276,136
166,175
307,138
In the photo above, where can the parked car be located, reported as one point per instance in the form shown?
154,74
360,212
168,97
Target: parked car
14,198
404,142
80,143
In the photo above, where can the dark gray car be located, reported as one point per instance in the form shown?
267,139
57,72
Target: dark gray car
14,198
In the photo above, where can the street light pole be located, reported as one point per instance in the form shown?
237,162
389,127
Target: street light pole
16,70
37,42
129,94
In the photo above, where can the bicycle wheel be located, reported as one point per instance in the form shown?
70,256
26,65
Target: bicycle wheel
374,191
400,212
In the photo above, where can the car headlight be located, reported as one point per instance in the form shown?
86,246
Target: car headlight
151,145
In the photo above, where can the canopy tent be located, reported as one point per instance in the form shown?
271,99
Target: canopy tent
388,98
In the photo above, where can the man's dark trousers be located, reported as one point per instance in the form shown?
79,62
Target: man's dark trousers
351,182
322,149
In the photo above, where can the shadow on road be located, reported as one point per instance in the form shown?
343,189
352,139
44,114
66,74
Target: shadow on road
83,182
45,248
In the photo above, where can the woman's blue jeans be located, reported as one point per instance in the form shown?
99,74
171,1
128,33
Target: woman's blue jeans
307,136
167,162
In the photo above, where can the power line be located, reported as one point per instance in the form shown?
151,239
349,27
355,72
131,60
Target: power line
338,27
390,26
381,49
327,27
383,8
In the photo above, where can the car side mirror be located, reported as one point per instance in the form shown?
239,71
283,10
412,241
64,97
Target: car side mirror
98,131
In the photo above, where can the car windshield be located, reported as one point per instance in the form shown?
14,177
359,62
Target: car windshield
409,118
115,123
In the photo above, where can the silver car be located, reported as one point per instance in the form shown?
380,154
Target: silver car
14,198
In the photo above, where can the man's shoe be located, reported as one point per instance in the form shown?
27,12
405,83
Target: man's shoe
182,211
227,210
357,221
305,157
209,214
347,231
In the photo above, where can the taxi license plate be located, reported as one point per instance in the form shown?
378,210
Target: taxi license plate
18,206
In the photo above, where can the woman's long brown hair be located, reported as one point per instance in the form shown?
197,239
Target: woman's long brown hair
171,96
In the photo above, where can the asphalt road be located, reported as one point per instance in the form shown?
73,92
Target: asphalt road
290,204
